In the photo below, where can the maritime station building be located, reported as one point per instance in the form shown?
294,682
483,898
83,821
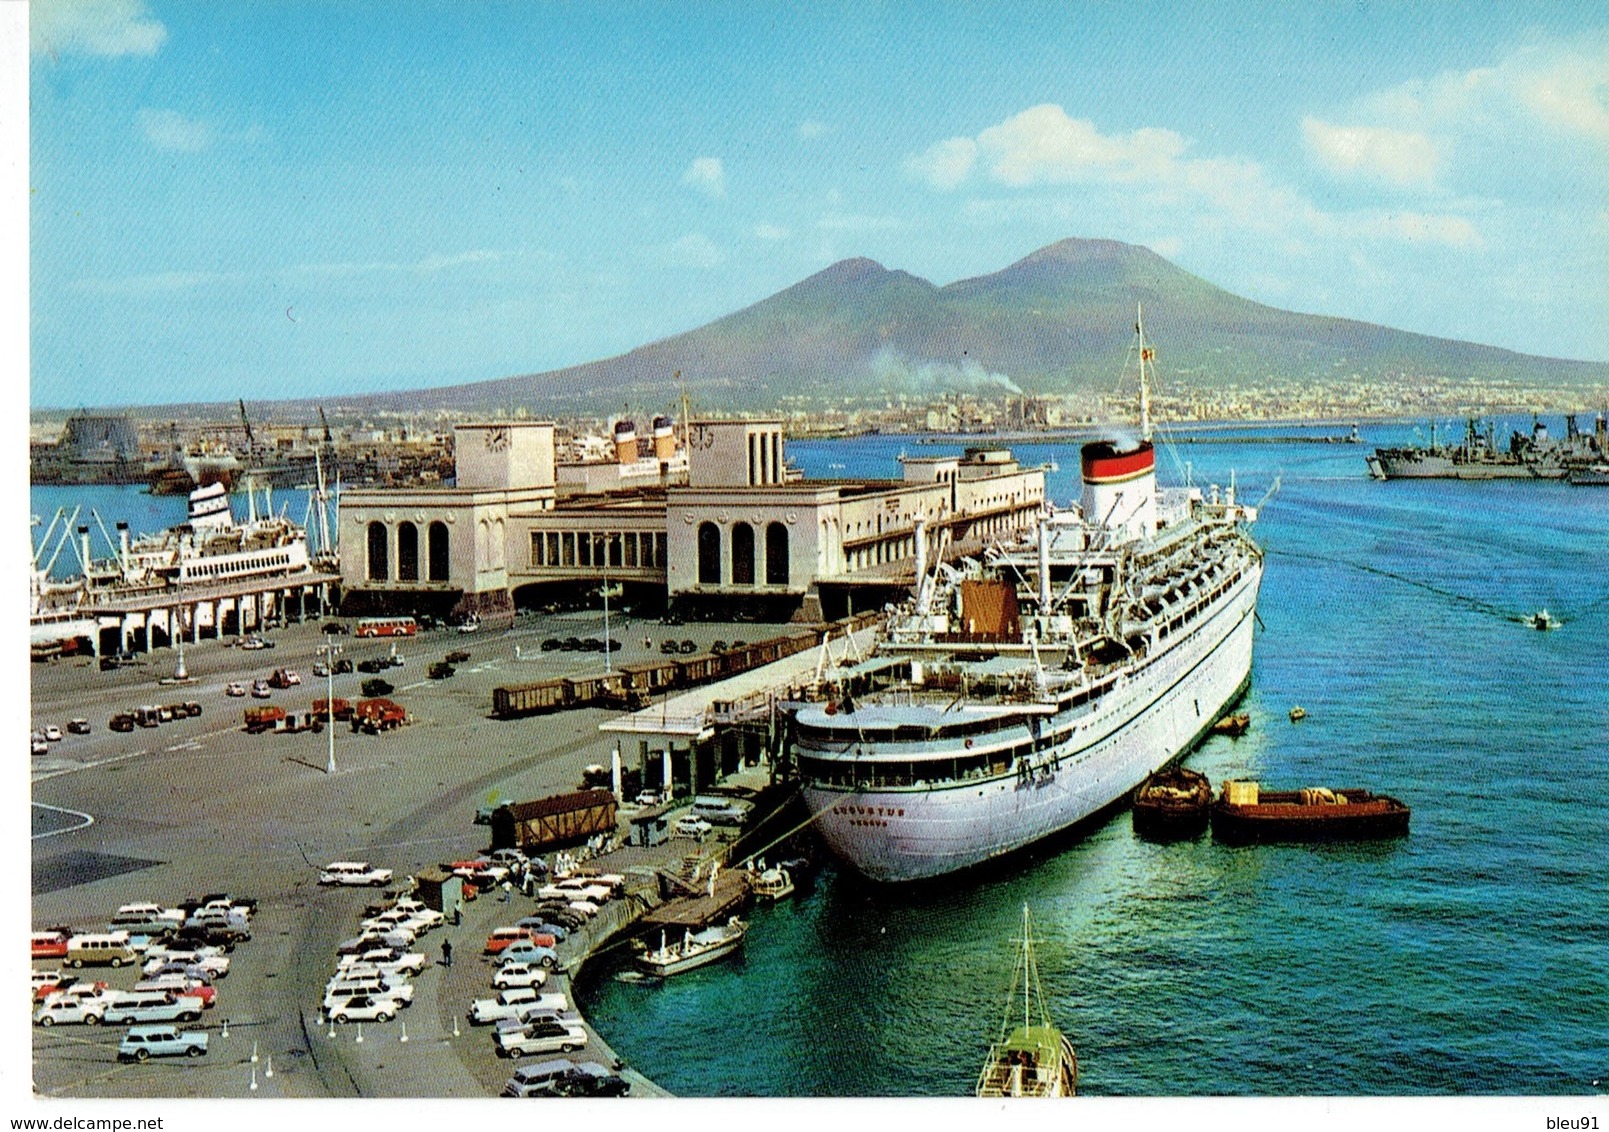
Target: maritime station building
710,518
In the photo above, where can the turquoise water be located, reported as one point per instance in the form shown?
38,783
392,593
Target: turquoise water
1471,957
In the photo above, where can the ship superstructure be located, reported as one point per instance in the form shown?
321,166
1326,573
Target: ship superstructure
1031,688
1478,457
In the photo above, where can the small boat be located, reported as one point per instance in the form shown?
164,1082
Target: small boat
1172,803
1033,1059
1298,712
1543,620
1245,812
694,950
772,884
1233,726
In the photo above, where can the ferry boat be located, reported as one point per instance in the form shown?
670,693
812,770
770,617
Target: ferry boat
1037,686
1033,1059
695,949
774,883
209,548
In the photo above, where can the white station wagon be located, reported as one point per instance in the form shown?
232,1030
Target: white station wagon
354,872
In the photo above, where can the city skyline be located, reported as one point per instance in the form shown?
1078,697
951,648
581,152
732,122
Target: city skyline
293,199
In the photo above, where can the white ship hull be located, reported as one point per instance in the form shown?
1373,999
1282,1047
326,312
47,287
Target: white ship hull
1140,726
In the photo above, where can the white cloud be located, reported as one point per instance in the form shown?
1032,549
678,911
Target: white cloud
1560,86
1398,157
946,164
813,129
693,250
771,232
707,176
170,130
1042,145
107,28
1149,170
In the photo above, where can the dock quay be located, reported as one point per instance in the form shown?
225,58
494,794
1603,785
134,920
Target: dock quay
119,818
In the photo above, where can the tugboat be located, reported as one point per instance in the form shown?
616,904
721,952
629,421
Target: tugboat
1543,620
694,950
1246,813
1172,803
1033,1059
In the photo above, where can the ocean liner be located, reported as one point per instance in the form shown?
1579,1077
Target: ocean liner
1034,687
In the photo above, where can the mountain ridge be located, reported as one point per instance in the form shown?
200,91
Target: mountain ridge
1055,321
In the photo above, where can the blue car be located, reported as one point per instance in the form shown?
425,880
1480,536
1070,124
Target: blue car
143,1042
541,924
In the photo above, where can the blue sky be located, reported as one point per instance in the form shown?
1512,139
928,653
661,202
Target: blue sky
286,199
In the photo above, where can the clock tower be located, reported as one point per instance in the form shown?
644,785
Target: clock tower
504,454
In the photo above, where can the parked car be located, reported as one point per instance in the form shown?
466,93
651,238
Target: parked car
354,873
144,1042
547,927
547,1036
234,688
538,1079
333,627
689,646
372,665
58,1010
181,985
457,656
320,669
342,666
49,945
525,951
52,733
365,1008
510,1002
591,1079
386,960
153,1006
519,975
377,687
344,986
260,689
552,644
690,826
441,670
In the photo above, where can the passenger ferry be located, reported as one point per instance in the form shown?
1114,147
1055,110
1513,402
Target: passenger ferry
1036,686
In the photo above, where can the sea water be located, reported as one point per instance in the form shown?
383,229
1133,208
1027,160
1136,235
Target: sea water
1470,957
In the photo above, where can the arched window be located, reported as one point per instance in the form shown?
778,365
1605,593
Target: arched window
776,555
709,554
437,553
407,552
379,569
742,555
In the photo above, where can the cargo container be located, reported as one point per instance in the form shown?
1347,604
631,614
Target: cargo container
260,719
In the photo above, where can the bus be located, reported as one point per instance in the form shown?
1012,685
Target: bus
386,627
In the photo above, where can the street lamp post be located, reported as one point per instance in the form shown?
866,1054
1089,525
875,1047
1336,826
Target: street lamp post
330,652
607,547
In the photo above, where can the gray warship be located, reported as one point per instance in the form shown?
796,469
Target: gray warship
1534,456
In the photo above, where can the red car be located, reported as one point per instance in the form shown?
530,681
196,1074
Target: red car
73,983
50,945
504,937
182,984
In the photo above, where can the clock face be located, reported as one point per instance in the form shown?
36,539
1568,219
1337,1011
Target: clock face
496,439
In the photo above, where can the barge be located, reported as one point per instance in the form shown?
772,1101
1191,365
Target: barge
1246,813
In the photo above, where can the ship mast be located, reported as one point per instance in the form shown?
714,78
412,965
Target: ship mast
1145,379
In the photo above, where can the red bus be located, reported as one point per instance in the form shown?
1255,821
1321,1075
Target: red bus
386,627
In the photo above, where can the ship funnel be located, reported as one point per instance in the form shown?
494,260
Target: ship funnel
664,438
1120,488
83,546
625,442
122,543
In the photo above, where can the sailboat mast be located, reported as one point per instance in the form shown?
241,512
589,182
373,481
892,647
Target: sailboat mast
1145,378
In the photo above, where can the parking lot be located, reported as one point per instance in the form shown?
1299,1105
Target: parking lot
197,805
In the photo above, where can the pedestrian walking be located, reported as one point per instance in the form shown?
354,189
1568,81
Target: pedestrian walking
507,890
446,953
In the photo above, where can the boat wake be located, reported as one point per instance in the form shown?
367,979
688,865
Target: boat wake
1453,596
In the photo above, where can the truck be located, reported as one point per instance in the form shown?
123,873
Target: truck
376,715
343,708
260,719
283,678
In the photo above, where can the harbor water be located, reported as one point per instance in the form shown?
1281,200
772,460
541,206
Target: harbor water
1467,958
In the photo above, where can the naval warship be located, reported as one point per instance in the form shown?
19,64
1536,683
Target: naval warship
1537,456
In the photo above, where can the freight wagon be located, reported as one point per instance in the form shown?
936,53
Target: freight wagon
557,820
